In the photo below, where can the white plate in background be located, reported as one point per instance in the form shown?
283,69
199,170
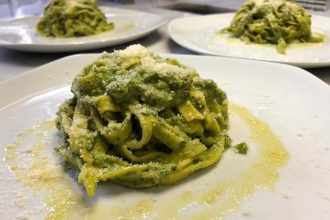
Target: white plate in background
199,34
20,33
293,102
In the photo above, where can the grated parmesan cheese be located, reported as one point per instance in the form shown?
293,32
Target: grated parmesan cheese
135,50
148,61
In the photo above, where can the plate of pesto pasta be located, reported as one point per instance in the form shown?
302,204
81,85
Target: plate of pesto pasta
137,135
76,25
277,31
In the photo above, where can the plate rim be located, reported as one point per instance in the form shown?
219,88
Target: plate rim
9,85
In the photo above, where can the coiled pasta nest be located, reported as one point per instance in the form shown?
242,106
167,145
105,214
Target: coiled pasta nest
72,18
272,22
139,120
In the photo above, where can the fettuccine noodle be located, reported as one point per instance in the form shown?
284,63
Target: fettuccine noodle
139,120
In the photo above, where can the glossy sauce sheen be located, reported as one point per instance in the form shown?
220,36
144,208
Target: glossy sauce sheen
64,200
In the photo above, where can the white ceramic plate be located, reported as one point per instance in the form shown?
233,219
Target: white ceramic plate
20,33
293,102
199,34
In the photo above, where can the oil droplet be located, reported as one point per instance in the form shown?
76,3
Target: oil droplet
129,27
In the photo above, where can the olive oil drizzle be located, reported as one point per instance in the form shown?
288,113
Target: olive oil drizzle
261,174
63,201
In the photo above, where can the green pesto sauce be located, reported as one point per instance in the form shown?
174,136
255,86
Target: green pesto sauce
272,22
241,148
141,120
72,18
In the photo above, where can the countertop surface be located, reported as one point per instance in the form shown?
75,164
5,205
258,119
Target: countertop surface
13,63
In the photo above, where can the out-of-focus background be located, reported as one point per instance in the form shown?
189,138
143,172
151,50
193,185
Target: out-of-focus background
23,8
13,63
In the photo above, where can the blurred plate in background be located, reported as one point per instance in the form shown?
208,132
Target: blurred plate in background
200,34
20,33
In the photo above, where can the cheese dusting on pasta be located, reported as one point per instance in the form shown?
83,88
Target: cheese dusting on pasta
140,120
